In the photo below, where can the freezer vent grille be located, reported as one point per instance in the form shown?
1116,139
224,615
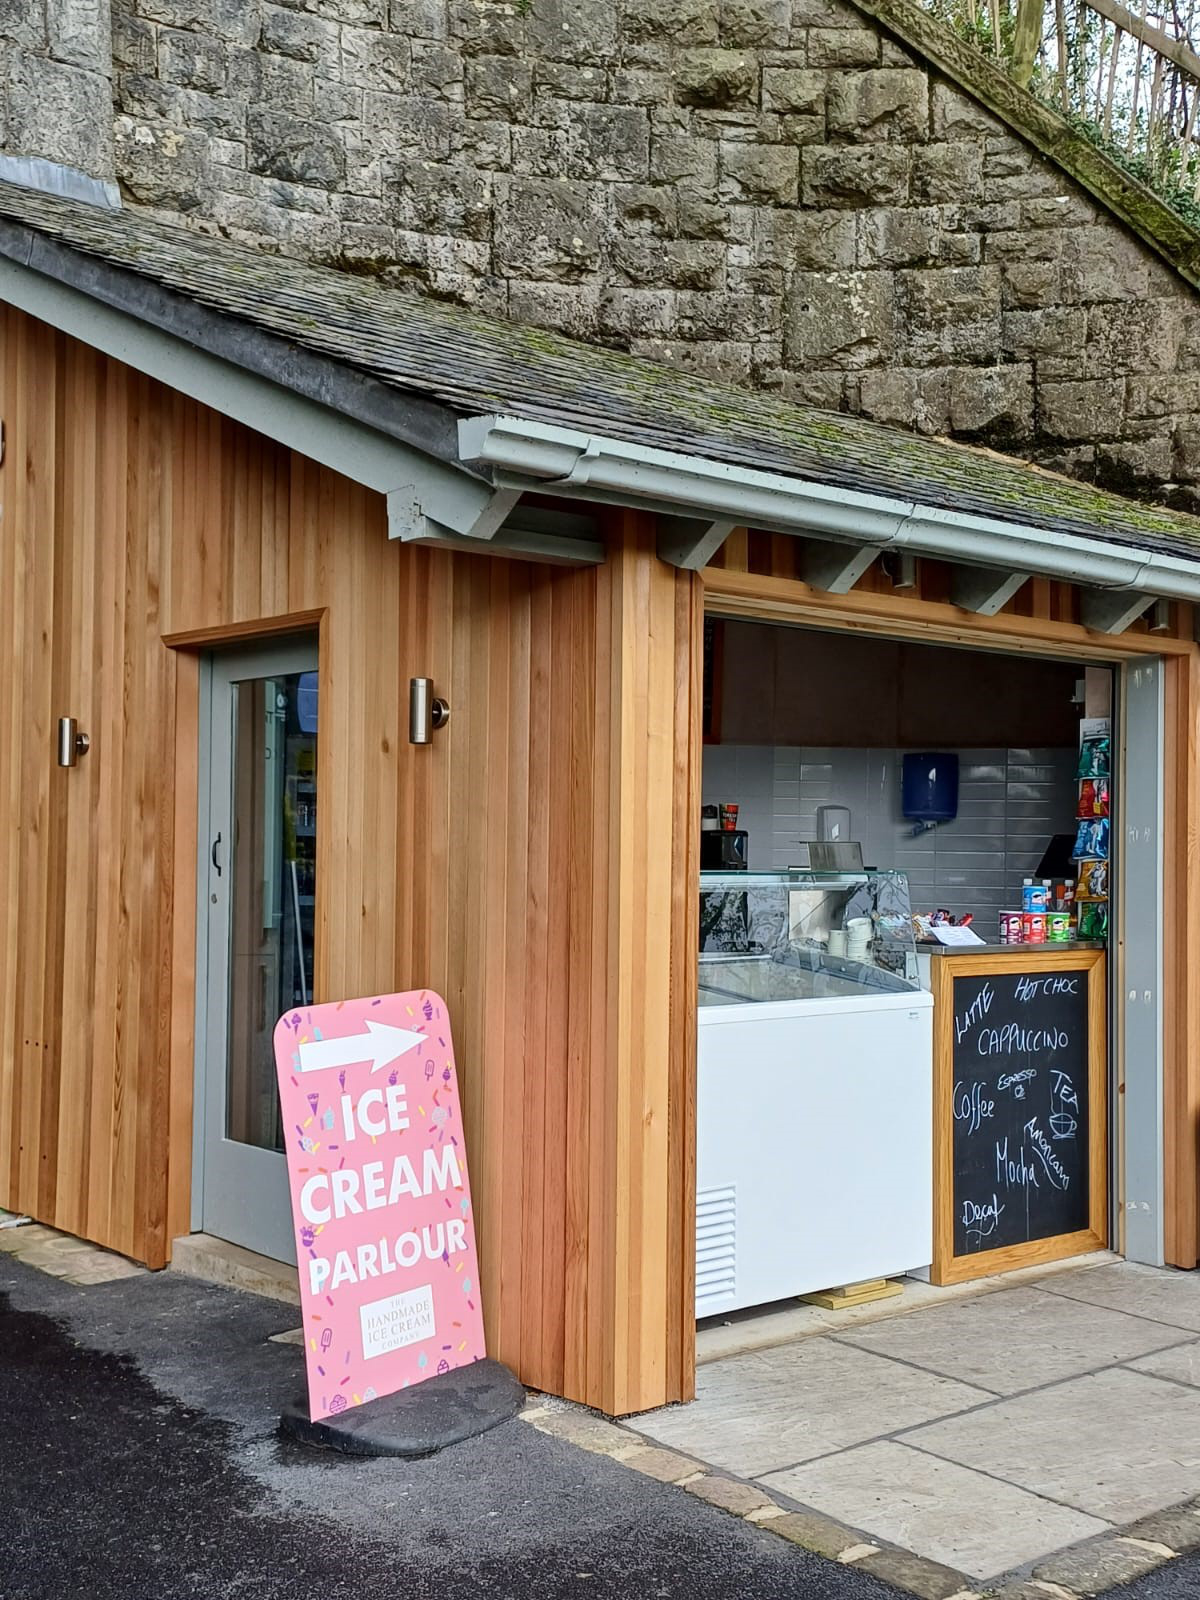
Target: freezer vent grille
716,1248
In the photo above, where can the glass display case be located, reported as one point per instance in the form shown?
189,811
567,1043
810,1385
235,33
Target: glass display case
804,935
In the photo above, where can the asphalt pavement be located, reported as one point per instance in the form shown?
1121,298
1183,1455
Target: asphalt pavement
140,1460
1177,1580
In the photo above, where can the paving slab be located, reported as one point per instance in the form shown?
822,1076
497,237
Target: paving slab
1116,1444
1159,1293
1180,1363
15,1240
1013,1340
960,1518
758,1412
760,1327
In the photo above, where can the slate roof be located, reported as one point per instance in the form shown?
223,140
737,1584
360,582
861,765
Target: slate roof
474,364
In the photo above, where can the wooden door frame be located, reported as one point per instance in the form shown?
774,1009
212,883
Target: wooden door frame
767,598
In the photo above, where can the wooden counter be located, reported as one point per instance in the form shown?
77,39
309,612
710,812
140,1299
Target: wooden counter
1020,1107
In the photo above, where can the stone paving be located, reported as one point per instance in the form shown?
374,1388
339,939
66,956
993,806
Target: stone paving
1040,1435
63,1256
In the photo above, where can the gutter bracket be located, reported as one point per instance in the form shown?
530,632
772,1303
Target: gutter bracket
408,523
984,590
835,568
691,542
407,519
1112,610
492,518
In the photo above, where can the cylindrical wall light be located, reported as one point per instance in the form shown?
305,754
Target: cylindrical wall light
71,743
1160,617
425,711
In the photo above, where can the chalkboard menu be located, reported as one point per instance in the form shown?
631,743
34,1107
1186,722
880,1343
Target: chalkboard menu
1018,1066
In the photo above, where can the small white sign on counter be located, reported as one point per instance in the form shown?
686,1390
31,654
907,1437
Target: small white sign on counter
949,935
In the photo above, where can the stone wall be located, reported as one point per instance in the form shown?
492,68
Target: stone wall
56,82
770,191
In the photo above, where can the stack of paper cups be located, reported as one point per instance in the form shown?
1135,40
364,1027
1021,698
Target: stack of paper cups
858,938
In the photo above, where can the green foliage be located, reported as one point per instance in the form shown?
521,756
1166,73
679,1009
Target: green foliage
1156,156
1161,176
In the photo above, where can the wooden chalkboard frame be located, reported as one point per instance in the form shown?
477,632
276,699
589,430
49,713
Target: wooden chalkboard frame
947,1267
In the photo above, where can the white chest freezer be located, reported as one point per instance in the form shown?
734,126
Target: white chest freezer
814,1137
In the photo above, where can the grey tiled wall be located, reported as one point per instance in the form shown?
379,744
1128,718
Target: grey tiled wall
1009,804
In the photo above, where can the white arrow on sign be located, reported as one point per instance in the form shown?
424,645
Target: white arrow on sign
380,1045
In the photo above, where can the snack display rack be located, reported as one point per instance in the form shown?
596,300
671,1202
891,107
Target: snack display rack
1091,853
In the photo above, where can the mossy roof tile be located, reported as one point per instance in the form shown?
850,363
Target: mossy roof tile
474,364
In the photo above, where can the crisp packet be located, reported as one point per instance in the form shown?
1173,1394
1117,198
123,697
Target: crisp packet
1091,839
1093,919
1092,882
1094,758
1093,798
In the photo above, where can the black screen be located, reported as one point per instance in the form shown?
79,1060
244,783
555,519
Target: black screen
1020,1108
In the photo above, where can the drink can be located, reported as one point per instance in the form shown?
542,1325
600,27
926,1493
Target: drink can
1010,927
1033,927
1058,927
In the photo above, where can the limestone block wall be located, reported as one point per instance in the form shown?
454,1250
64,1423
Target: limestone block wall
770,191
56,82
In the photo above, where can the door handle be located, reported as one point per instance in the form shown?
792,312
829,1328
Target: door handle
215,862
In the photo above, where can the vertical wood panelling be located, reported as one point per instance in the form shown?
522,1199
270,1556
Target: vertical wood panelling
536,863
649,621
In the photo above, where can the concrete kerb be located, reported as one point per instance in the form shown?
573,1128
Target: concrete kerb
1077,1572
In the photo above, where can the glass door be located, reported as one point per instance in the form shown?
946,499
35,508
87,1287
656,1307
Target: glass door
258,877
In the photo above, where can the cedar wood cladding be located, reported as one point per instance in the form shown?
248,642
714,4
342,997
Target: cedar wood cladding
497,866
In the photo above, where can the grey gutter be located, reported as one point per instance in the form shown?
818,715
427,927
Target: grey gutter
533,455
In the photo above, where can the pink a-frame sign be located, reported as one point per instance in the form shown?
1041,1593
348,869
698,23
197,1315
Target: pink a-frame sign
385,1238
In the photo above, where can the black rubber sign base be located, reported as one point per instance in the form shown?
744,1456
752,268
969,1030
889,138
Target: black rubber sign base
418,1421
